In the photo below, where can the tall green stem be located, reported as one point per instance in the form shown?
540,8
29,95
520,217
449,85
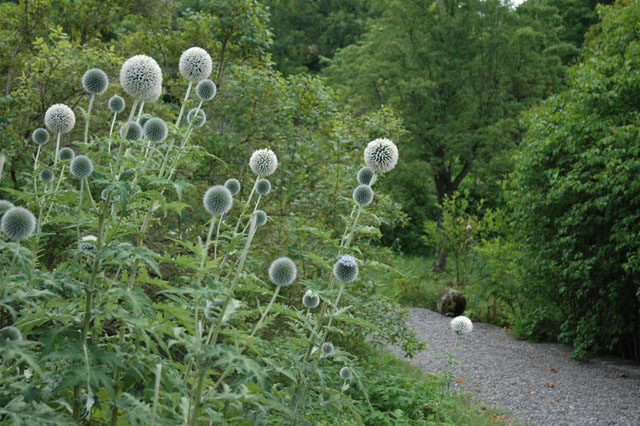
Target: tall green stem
55,159
113,122
116,169
86,125
11,266
186,97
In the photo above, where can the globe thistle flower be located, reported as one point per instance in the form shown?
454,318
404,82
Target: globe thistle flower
381,155
217,200
366,176
282,271
206,90
10,333
263,162
345,373
59,118
81,166
4,206
95,81
155,129
40,136
327,348
310,299
66,154
143,119
141,77
461,325
363,195
213,308
233,185
46,175
88,242
346,269
261,217
468,228
116,104
195,64
196,117
134,131
154,95
263,186
18,223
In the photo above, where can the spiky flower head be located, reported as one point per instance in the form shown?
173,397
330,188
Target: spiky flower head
10,333
363,195
366,176
88,242
18,223
345,373
346,268
213,308
141,77
4,206
233,185
59,118
381,155
65,154
263,162
116,103
156,130
217,200
46,175
154,96
81,166
143,119
40,136
95,81
206,90
461,325
310,299
261,217
134,131
195,64
282,271
196,117
327,348
263,186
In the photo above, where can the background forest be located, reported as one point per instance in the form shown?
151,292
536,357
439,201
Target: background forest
517,129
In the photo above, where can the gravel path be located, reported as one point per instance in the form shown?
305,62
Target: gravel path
538,382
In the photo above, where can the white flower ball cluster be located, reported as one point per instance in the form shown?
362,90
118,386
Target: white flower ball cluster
141,77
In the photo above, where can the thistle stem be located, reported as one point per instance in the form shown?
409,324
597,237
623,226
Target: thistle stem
11,266
244,209
35,164
79,208
140,110
156,394
122,143
55,160
89,192
113,122
86,125
186,97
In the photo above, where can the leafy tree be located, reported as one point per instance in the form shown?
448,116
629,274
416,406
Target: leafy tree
576,197
458,73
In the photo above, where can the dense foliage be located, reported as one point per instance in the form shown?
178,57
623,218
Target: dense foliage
576,197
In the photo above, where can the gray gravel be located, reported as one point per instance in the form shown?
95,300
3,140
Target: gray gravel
538,382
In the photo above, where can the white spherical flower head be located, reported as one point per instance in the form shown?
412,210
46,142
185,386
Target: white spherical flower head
116,103
282,271
66,154
10,333
233,185
346,269
40,136
345,373
461,326
4,206
154,95
310,299
468,228
195,64
366,176
263,186
363,195
142,120
206,90
95,81
18,223
46,175
263,162
155,129
141,77
327,348
196,117
81,166
217,200
134,131
59,118
88,242
381,155
261,217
